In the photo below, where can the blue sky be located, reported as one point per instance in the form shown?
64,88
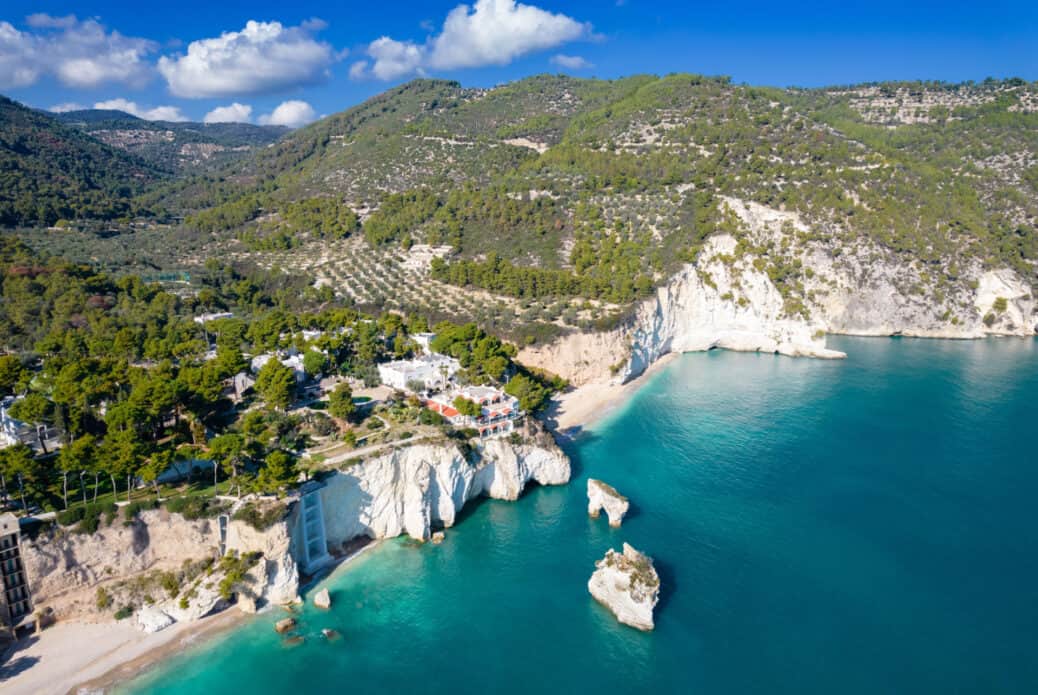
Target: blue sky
276,63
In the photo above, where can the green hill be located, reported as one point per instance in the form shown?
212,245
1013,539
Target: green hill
173,146
50,171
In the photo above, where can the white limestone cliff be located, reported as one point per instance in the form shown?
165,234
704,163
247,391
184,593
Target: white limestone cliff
602,496
627,584
412,490
728,300
66,569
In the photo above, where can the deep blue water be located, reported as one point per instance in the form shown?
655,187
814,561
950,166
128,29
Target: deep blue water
860,526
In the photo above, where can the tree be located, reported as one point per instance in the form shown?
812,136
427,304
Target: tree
77,456
531,394
229,451
157,464
12,374
340,402
276,384
121,454
19,462
279,471
314,362
466,407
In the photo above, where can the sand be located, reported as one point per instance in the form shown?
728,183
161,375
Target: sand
574,411
78,657
69,656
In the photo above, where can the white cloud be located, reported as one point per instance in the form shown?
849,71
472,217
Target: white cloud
490,32
159,113
65,107
394,59
232,113
261,58
571,62
79,53
292,113
359,70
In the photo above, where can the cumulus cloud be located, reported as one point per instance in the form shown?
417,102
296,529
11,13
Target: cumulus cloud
158,113
79,53
292,113
263,57
232,113
490,32
570,62
65,107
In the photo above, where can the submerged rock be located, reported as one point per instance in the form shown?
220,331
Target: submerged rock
284,625
602,496
438,537
330,634
322,599
627,584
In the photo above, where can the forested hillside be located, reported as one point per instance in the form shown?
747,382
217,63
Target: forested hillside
49,172
173,146
565,199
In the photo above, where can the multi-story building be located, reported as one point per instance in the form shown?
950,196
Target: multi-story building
15,600
428,372
498,415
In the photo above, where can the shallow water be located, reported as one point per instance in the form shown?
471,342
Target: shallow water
857,526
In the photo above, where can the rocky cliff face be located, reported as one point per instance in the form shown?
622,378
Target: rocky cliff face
776,287
602,496
125,562
406,491
412,490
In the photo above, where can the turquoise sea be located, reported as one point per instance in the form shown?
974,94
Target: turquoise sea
859,526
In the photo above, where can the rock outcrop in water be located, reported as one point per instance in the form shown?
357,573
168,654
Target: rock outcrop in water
627,584
602,496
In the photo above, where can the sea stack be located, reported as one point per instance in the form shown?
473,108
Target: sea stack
602,496
322,599
627,584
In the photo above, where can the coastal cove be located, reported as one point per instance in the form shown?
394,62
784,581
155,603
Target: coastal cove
860,525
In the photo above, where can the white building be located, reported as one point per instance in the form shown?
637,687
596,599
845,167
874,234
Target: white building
432,371
293,362
424,341
206,318
499,411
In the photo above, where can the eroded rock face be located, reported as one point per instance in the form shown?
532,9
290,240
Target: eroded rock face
627,584
602,496
728,300
67,569
411,490
322,599
152,619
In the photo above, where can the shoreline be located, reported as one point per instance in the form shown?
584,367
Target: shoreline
576,411
57,662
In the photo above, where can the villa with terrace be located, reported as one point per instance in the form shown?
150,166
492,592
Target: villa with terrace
424,373
498,411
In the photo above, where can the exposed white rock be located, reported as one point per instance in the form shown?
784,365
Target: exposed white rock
628,585
204,599
152,619
409,490
727,300
322,599
602,496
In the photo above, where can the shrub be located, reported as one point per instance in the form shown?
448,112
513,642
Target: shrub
124,612
131,511
102,600
193,508
259,518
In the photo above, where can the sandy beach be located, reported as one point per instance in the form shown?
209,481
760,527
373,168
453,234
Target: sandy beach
577,410
79,657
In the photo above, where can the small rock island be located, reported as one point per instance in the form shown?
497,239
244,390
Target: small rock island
627,584
602,496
